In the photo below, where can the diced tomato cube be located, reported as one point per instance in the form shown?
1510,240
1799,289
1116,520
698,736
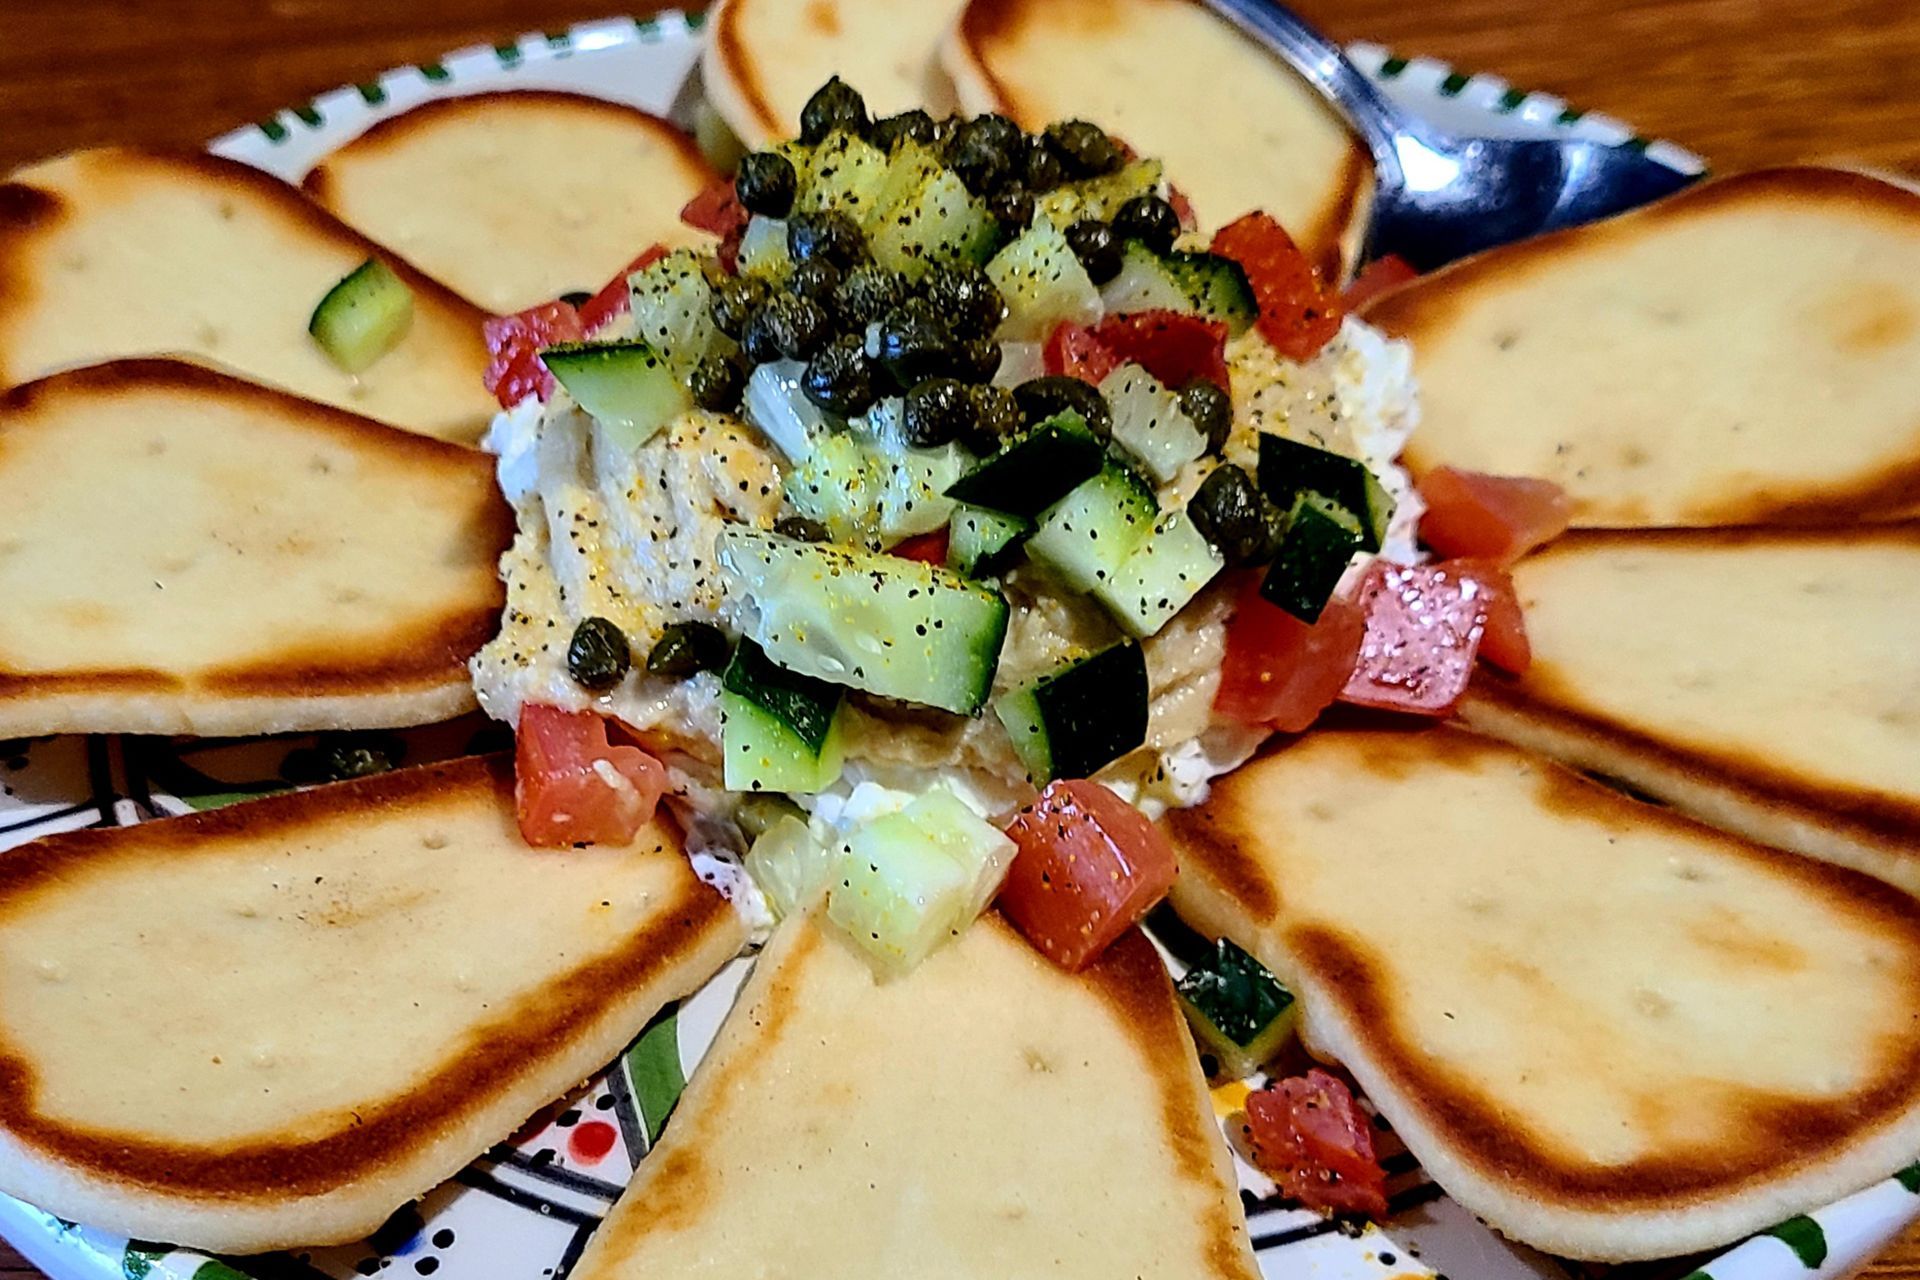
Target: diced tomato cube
1089,866
1281,672
1504,643
1073,350
930,548
513,342
1424,625
1298,314
1499,518
1376,278
719,211
615,298
1311,1136
573,787
1174,346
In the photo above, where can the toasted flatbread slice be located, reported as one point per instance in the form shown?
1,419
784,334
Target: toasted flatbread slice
1745,351
765,58
1238,131
184,552
271,1024
1764,680
987,1115
516,198
120,252
1609,1031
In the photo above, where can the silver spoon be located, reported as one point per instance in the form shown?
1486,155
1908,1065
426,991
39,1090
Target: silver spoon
1439,196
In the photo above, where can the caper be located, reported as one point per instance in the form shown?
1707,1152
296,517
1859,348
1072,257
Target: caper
598,656
834,105
801,529
977,359
795,327
1042,398
1231,514
827,234
1210,410
576,297
913,342
936,411
734,302
685,648
996,418
1084,149
1150,220
1011,207
716,383
815,278
1043,171
765,184
868,292
890,131
343,757
965,298
840,377
1098,249
986,151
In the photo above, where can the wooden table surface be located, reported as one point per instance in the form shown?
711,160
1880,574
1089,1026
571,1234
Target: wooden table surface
1744,82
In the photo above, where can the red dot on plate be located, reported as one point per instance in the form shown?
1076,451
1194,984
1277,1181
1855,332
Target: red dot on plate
591,1141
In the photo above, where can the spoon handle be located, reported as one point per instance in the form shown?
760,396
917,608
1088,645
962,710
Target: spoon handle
1325,66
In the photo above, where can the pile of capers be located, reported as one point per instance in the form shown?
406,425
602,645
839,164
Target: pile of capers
865,332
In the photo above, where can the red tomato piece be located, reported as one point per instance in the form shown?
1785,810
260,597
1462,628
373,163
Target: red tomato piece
719,211
1281,672
1174,346
1182,208
1505,642
573,787
1311,1136
1298,314
1375,279
1073,350
514,371
1089,865
930,548
1423,631
616,298
1499,518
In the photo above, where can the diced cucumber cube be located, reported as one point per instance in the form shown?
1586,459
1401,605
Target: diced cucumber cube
363,317
789,865
846,173
1148,422
941,222
839,486
982,542
897,893
1086,536
1239,1012
672,306
1034,470
1289,468
776,405
1161,575
1074,721
762,752
907,172
891,626
1099,198
763,248
1143,284
981,849
1043,284
913,488
626,387
1321,538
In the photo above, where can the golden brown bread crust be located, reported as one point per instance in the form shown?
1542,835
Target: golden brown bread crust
1453,1121
415,674
984,23
397,130
1417,310
253,1181
724,31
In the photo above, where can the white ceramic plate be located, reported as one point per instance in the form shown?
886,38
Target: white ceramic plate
527,1208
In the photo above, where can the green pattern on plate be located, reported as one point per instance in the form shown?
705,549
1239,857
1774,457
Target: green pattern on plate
1696,1275
372,93
436,73
1909,1177
509,54
1569,116
309,115
274,130
140,1257
1510,100
1805,1237
653,1068
1392,67
214,1269
1453,84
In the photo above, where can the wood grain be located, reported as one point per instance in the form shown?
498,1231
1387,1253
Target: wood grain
1743,82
